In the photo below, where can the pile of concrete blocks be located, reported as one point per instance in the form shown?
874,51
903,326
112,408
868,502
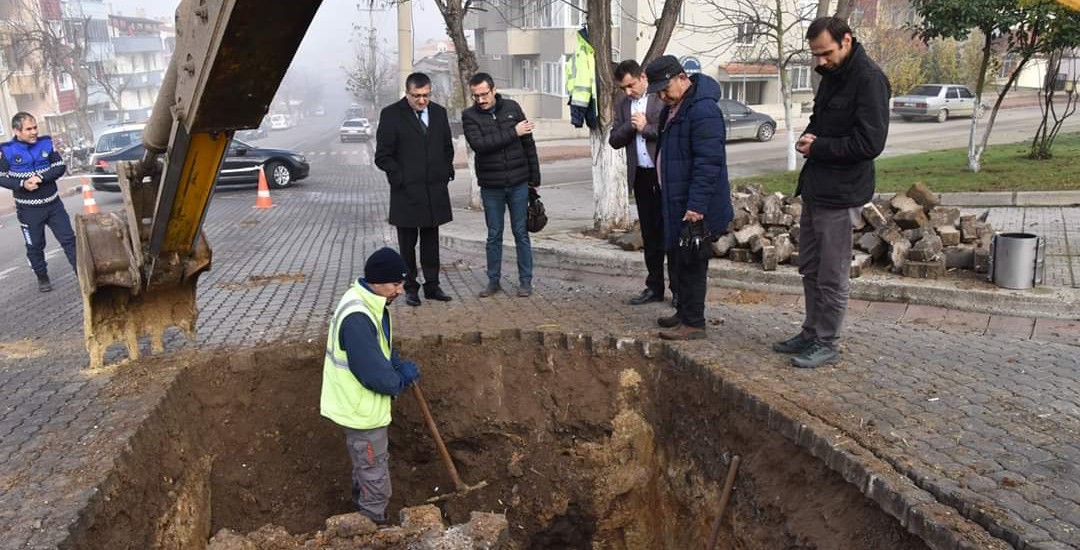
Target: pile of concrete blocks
909,233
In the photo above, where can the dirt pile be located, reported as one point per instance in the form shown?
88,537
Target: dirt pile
421,528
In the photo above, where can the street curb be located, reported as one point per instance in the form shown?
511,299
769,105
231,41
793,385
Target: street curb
1005,198
593,256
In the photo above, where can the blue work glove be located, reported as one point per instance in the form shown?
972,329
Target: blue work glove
409,372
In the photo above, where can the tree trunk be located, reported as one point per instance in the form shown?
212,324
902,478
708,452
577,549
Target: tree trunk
974,154
664,27
785,85
843,9
611,205
453,12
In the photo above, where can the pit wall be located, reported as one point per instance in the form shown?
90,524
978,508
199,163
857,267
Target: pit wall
647,431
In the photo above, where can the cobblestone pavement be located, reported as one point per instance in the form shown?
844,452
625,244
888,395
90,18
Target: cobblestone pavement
983,414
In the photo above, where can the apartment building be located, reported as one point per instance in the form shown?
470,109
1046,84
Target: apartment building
137,68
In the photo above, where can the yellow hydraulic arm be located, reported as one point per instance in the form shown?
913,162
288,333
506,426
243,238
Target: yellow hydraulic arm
138,269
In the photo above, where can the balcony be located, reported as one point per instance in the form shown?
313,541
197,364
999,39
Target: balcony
145,79
136,44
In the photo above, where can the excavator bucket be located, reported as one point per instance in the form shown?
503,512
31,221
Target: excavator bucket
120,304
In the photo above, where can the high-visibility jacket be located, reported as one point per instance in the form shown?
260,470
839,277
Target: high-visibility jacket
581,74
344,399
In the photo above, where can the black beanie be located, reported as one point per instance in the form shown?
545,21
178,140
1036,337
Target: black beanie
385,266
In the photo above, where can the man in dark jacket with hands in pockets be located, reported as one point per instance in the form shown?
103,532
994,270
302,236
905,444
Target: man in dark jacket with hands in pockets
507,169
846,133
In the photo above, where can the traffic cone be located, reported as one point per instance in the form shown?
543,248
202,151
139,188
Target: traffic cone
89,205
262,200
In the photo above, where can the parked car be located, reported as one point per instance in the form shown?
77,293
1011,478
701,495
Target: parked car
240,168
116,139
355,129
936,101
746,123
280,122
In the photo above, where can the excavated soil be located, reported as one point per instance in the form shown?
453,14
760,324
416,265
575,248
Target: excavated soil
583,446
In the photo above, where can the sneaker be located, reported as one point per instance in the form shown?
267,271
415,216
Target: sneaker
683,332
525,290
670,321
43,283
816,355
492,288
794,345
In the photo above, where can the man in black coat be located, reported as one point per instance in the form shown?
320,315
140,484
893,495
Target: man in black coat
414,148
636,128
846,133
507,169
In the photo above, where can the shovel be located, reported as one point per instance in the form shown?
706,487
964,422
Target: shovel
460,488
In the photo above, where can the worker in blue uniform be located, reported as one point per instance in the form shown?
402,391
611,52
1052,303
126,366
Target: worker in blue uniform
29,167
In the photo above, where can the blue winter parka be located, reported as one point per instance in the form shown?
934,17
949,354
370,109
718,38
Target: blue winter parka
693,162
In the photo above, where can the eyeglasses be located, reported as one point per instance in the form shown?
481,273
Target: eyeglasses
481,95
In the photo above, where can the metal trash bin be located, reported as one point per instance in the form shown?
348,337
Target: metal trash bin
1017,260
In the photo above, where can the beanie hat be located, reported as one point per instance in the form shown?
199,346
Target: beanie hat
385,266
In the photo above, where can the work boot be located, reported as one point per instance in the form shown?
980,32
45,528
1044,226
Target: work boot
670,321
683,332
493,288
794,345
525,290
43,282
816,355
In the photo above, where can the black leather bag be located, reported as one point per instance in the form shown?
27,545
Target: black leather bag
537,218
695,243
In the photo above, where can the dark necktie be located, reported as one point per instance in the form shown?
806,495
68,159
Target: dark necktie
420,117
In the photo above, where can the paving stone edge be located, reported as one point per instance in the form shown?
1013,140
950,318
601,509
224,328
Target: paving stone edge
1057,303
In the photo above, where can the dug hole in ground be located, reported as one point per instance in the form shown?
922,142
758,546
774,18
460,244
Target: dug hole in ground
584,445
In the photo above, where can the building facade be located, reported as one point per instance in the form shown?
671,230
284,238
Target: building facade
137,68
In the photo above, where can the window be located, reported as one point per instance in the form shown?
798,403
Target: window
478,35
576,13
965,93
528,73
530,15
552,14
744,33
555,77
799,77
616,13
954,93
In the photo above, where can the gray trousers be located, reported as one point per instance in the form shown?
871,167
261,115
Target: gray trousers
825,264
370,454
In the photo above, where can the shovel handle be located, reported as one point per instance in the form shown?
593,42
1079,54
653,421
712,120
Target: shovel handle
443,453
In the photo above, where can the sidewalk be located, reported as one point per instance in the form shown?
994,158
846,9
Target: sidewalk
564,244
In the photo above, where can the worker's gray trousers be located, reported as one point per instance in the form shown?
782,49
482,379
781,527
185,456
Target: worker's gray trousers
825,264
370,453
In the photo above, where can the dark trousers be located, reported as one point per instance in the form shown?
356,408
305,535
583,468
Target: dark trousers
690,276
647,197
429,255
33,220
825,264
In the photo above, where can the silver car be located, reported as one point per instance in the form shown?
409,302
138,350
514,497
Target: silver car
936,101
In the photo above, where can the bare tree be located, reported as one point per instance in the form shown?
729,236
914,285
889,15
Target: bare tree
372,71
768,33
53,47
113,84
665,26
1054,111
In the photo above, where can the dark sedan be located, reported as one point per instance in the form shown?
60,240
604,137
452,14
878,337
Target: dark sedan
241,166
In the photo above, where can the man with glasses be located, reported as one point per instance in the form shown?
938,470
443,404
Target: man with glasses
507,169
414,148
692,165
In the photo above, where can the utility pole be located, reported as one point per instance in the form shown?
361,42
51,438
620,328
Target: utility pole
404,41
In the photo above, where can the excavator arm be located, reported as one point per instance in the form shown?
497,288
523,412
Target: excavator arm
138,270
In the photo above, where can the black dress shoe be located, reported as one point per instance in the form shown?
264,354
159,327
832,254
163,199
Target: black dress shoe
412,299
437,294
670,321
645,297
